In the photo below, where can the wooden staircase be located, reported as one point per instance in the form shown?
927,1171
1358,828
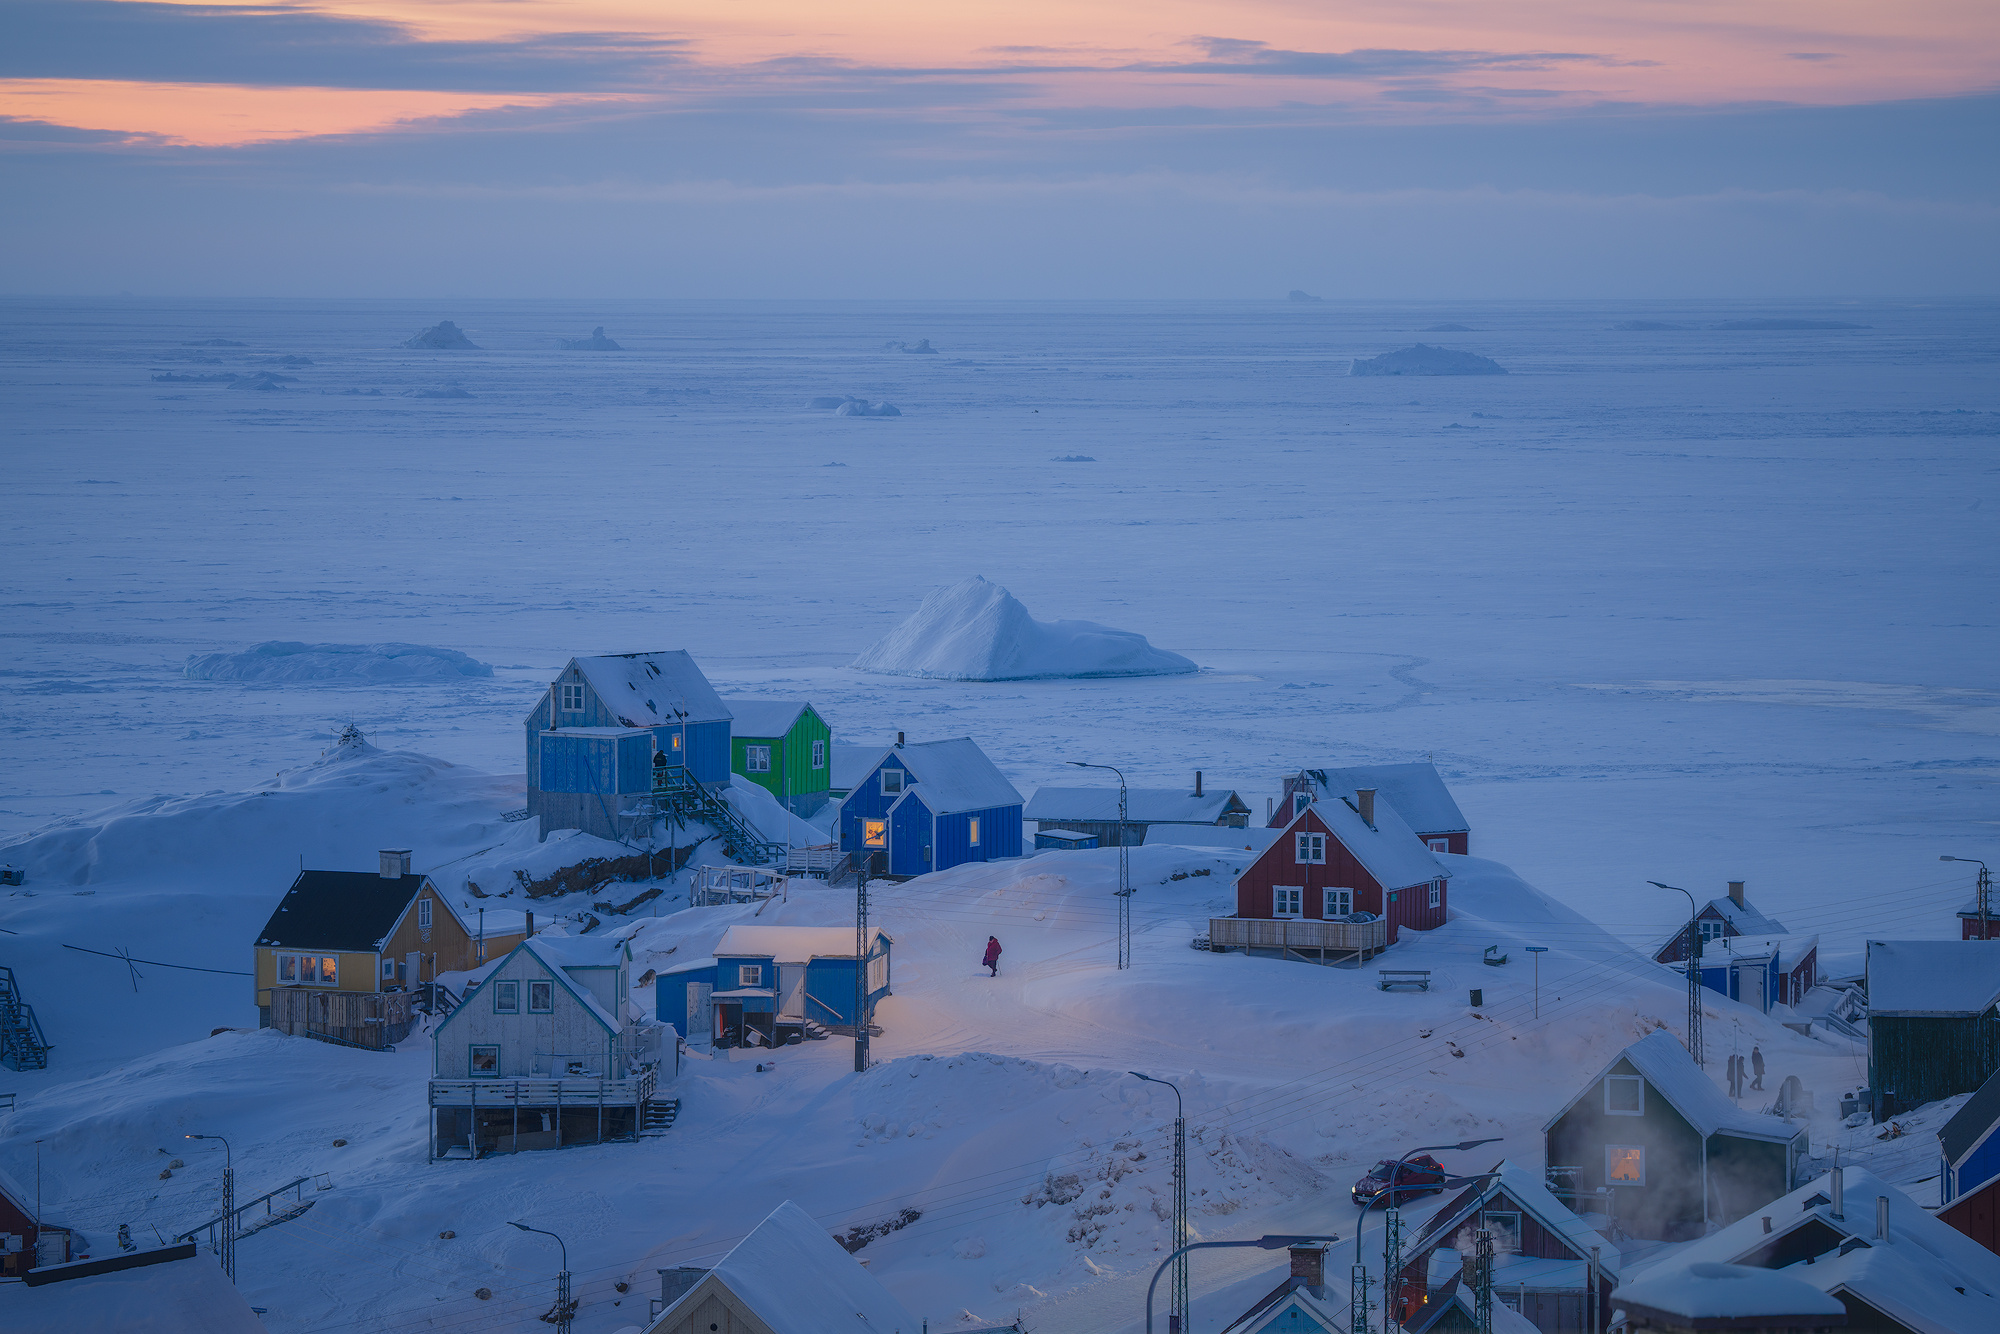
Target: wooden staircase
22,1046
660,1118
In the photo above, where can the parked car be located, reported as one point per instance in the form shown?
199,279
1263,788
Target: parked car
1421,1175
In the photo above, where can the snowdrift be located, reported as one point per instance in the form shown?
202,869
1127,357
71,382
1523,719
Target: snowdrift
1423,359
443,334
978,631
597,342
289,663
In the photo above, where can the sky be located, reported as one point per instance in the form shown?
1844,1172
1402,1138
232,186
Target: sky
1089,149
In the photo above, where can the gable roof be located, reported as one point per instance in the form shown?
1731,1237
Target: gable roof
796,1279
952,776
1930,1276
1417,791
1389,850
1526,1189
849,766
1971,1122
1932,978
1746,919
1255,838
756,717
653,689
1671,1072
786,944
340,910
1143,805
554,953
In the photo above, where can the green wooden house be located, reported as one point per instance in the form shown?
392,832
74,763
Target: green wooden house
784,747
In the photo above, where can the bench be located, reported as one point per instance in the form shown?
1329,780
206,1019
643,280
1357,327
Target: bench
1419,978
1493,957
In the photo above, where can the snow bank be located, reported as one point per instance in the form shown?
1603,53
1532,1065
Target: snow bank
978,631
443,334
287,662
597,342
767,816
1422,359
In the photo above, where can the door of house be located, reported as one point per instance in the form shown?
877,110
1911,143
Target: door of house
909,838
791,992
413,966
700,1012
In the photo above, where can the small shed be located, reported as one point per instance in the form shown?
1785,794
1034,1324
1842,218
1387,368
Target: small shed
18,1233
1932,1029
930,806
1094,810
1760,971
1063,840
1417,791
783,746
770,985
1969,1167
1675,1154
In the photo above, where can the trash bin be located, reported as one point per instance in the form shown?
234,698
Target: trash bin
1478,997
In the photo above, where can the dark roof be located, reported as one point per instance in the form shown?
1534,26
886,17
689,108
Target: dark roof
1971,1121
339,910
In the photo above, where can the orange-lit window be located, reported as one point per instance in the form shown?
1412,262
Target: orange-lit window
485,1061
1624,1165
975,831
875,833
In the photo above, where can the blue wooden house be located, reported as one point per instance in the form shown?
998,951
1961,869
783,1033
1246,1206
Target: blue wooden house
594,733
769,985
1969,1173
929,807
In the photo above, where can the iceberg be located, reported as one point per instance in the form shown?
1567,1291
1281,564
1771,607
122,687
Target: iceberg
978,631
1423,359
597,342
285,662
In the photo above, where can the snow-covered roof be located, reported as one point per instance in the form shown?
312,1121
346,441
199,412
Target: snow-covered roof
1526,1189
1389,850
1706,1290
685,966
1213,836
171,1297
1745,918
786,944
1927,1274
1672,1073
1970,1124
1416,791
1791,950
763,717
953,776
653,689
797,1280
579,951
851,764
1143,805
1932,978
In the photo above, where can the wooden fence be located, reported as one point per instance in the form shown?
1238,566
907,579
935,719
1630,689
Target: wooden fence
372,1019
1301,938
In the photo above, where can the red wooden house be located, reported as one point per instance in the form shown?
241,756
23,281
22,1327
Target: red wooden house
1417,791
1342,855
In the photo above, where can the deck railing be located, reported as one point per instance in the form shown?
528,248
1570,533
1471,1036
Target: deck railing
734,884
572,1091
1304,937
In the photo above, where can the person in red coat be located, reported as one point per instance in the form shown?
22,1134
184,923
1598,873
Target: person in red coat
992,959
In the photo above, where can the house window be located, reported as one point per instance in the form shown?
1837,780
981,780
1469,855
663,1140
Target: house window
874,833
310,970
1312,849
1437,893
1712,930
485,1062
750,975
572,699
892,782
288,968
1440,845
819,754
1624,1165
1624,1095
757,759
388,970
677,742
1301,800
1287,901
974,825
541,997
506,998
1339,903
424,914
1506,1230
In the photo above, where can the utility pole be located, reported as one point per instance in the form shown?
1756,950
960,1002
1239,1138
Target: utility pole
861,967
563,1304
1985,900
1538,951
1124,867
1392,1264
1357,1297
1694,972
226,1244
1177,1308
1482,1281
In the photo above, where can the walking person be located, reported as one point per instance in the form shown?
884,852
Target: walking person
1757,1067
992,959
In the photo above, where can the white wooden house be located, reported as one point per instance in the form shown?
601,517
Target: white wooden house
547,1049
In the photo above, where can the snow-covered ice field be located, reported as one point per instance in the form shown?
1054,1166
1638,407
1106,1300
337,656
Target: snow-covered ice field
1686,605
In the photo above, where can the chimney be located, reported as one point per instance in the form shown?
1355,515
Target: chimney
1270,808
1736,892
1197,782
676,1283
531,924
1839,1194
1365,799
899,740
1881,1218
395,863
1309,1264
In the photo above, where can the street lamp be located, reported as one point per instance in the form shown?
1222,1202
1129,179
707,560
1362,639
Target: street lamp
1124,869
1694,972
1268,1243
1985,890
1177,1301
225,1247
562,1279
1538,951
1392,1259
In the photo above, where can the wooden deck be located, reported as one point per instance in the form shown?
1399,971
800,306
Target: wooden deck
373,1019
1301,938
471,1118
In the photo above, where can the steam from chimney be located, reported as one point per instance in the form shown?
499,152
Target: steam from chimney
1197,782
1365,799
395,863
1309,1263
1736,892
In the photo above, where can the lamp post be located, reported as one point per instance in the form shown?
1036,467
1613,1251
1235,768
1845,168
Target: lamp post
1177,1299
562,1279
225,1248
1694,972
1124,868
1985,891
1538,951
1268,1243
1391,1248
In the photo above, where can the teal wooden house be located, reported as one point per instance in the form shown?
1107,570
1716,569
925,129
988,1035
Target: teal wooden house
594,733
784,747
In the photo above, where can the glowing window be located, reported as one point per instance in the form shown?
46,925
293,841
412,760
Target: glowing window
1624,1165
1286,900
572,699
975,831
757,759
1339,903
1312,849
892,782
541,997
288,968
486,1061
1624,1095
506,997
819,754
677,741
875,833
